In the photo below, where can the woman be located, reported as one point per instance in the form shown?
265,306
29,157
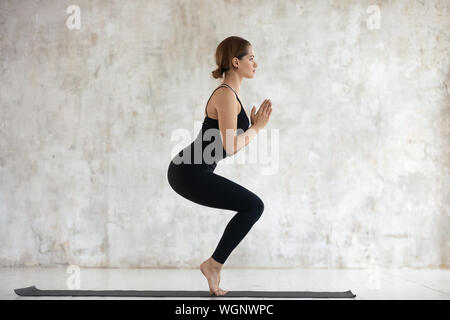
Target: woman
191,172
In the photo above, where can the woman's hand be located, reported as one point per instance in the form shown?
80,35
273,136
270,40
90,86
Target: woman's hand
261,117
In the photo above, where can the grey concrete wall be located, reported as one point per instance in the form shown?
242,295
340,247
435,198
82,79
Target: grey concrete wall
88,119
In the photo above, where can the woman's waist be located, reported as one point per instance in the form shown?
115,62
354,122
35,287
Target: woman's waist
178,164
201,153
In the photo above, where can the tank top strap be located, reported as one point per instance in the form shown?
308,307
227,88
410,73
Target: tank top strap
223,84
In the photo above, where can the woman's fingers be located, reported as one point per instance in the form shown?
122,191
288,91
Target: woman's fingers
266,106
269,107
267,103
269,110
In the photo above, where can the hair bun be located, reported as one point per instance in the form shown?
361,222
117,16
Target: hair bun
217,73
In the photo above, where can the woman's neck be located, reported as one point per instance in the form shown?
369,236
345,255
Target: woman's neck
234,81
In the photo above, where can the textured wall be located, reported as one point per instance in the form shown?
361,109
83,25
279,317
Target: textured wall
361,110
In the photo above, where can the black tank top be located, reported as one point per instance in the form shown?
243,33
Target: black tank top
212,140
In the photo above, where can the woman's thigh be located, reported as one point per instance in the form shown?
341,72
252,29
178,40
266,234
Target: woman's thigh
210,189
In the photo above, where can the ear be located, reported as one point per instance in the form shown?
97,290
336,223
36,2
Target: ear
237,62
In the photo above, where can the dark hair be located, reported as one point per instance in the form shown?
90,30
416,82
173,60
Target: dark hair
228,49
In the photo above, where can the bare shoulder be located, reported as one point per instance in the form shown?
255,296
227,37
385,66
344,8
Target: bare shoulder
224,99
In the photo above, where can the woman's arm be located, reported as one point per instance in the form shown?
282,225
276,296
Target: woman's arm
244,139
228,109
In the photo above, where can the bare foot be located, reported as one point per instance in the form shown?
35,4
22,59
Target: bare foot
211,270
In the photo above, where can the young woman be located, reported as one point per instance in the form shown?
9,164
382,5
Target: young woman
191,172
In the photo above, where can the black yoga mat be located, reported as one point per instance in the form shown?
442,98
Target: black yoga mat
33,291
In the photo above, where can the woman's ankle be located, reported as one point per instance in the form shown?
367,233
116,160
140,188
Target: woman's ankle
215,264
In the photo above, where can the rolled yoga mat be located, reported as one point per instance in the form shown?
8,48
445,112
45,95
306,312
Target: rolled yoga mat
33,291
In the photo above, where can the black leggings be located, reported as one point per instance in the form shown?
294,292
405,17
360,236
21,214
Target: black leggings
201,185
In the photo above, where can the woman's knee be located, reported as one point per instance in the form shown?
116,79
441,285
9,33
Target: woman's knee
257,207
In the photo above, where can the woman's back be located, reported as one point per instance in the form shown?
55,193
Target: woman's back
211,141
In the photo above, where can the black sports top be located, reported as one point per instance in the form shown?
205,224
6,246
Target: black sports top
243,124
242,121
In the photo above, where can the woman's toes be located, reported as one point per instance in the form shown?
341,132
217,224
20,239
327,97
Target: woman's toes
223,292
218,292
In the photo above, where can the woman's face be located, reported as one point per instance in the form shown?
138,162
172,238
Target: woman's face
248,65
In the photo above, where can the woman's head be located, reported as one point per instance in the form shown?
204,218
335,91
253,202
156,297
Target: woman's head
235,54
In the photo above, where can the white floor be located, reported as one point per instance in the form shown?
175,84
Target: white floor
374,284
